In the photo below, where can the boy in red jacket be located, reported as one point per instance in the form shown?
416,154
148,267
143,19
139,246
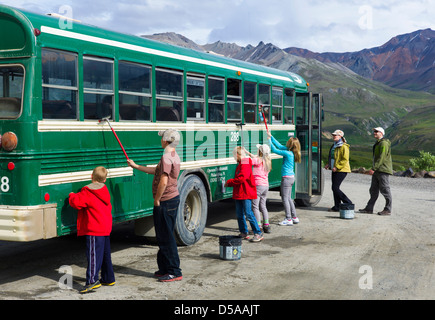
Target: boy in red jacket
94,220
244,191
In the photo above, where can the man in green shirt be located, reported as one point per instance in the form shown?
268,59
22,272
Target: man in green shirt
381,170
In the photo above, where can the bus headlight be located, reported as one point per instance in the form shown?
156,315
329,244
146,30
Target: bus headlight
9,141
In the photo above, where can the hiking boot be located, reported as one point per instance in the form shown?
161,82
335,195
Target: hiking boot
384,213
170,278
365,211
266,228
90,287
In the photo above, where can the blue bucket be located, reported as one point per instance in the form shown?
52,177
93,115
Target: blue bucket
347,210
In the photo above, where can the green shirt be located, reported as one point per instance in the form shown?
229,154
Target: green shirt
382,161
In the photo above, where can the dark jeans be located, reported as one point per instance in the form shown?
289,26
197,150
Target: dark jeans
164,217
99,258
380,183
339,196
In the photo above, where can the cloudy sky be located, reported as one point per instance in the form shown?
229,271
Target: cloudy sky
320,26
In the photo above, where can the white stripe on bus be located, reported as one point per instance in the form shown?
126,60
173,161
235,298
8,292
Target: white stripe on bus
118,44
93,125
80,176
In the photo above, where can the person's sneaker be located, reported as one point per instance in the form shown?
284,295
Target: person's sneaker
295,220
286,222
365,211
384,213
266,228
90,287
244,236
170,278
159,274
257,238
333,210
107,284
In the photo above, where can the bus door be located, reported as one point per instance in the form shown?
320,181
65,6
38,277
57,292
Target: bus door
308,110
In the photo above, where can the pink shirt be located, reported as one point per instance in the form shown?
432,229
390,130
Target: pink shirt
260,175
169,164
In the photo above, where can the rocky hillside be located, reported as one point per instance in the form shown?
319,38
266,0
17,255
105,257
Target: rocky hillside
406,61
353,102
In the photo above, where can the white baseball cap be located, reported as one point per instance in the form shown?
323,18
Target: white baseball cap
381,130
338,133
264,148
170,135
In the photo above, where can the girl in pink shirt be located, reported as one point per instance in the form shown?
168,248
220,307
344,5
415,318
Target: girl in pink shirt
262,166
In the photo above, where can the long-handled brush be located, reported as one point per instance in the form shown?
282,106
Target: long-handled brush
116,136
264,118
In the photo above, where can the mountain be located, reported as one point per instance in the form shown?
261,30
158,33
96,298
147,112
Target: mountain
352,102
406,61
175,39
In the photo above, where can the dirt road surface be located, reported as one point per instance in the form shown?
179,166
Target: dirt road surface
323,257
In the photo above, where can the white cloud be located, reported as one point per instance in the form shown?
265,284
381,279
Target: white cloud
334,25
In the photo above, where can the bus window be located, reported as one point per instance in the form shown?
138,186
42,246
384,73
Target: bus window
264,99
288,106
98,88
301,110
11,91
195,97
234,100
169,94
134,91
250,101
59,84
276,105
216,87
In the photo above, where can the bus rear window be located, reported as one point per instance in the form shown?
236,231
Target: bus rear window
11,91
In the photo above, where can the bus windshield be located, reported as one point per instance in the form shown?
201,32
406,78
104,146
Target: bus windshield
11,91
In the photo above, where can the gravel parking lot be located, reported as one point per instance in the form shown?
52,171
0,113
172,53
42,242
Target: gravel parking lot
323,257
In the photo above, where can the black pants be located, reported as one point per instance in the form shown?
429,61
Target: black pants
339,196
165,217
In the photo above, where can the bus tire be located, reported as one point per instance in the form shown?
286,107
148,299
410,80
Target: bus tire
314,200
192,211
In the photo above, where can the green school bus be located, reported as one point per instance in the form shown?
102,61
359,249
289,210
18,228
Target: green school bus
59,78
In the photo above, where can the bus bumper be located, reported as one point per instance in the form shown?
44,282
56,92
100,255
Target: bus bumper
19,223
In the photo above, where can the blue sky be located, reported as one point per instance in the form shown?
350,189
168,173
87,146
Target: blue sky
320,26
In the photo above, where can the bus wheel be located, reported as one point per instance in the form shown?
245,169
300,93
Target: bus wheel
313,201
192,211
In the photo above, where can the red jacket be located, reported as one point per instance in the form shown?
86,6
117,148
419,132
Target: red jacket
94,217
243,183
